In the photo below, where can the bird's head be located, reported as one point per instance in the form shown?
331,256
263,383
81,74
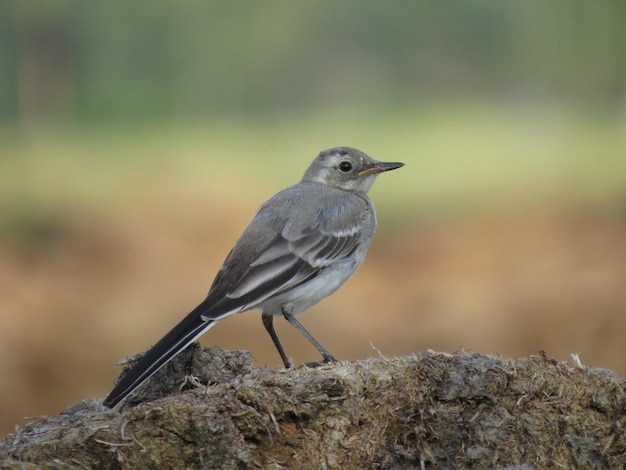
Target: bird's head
346,168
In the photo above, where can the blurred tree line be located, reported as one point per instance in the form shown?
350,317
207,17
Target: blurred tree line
100,61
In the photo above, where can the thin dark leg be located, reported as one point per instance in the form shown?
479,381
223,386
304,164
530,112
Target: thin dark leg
268,323
328,357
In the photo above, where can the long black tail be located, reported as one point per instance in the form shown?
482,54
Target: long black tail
181,336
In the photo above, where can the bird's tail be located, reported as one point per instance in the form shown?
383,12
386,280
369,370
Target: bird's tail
181,336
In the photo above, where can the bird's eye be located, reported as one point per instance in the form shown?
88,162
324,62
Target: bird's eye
345,166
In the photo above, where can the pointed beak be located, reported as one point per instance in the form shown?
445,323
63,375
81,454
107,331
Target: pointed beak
379,167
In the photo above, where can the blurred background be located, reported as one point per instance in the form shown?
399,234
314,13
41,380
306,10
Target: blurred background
137,139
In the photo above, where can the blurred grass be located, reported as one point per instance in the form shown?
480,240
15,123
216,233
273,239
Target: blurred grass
463,156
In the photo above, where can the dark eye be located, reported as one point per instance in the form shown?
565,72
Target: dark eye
345,166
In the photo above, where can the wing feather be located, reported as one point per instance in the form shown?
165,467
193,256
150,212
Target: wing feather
280,251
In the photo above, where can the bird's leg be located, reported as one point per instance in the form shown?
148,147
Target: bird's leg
268,323
328,357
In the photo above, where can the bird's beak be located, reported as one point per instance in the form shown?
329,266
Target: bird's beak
379,167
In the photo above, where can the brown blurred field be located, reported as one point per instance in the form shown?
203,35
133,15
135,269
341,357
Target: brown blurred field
504,234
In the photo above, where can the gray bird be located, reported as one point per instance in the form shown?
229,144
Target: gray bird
300,247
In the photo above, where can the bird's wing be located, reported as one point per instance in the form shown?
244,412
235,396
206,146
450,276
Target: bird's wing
306,242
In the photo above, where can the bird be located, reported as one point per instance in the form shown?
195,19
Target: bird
300,247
